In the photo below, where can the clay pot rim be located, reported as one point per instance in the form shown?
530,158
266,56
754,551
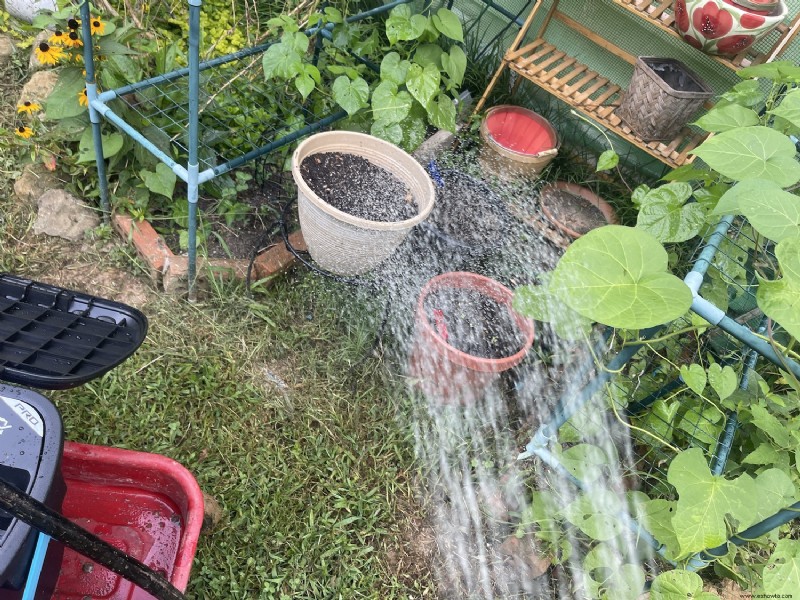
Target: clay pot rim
494,290
582,192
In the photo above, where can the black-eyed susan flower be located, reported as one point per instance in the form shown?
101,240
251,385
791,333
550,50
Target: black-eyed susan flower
24,131
28,107
83,98
49,55
73,24
58,37
73,40
97,26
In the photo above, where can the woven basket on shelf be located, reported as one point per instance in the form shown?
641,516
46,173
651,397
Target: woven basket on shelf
343,243
662,97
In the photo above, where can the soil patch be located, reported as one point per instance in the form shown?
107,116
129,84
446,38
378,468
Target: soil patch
573,211
474,323
354,185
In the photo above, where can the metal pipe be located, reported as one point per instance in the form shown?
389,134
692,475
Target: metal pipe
192,190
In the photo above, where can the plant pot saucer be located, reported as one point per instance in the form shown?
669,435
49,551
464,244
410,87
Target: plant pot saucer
574,210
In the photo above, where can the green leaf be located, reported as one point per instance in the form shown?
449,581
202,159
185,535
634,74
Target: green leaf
665,214
282,60
112,143
596,514
389,131
402,25
455,65
782,573
608,578
695,377
448,24
676,585
730,116
161,181
542,303
618,276
414,131
442,113
306,81
658,521
423,82
772,212
350,95
688,172
584,461
776,492
723,380
659,420
394,69
705,500
764,454
429,54
781,70
780,300
746,93
789,108
607,160
62,103
752,153
389,105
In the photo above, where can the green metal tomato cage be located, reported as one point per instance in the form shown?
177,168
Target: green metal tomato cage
654,405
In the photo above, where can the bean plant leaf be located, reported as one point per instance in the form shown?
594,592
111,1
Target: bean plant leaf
161,181
746,93
402,25
723,380
695,377
394,69
607,160
771,425
659,420
282,60
789,108
679,585
448,24
782,574
414,131
423,82
728,117
390,105
756,152
773,212
307,80
454,64
442,113
664,213
62,103
780,299
776,493
688,172
705,501
618,276
350,95
657,519
781,70
429,54
112,144
607,577
584,461
391,132
596,514
540,302
764,454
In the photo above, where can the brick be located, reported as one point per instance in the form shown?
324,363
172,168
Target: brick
278,259
149,245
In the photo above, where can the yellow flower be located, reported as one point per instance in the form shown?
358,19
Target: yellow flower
28,107
97,26
58,37
24,131
83,98
47,54
73,40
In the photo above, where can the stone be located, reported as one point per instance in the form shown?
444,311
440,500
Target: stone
34,182
62,215
26,10
38,87
7,49
435,145
212,513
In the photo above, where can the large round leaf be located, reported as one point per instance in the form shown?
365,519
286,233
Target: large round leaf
618,276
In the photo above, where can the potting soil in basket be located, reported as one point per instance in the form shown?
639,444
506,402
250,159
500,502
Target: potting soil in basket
354,185
576,213
474,323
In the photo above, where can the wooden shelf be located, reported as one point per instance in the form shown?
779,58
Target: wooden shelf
592,94
660,14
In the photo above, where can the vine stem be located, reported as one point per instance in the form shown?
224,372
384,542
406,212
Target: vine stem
664,337
634,427
608,140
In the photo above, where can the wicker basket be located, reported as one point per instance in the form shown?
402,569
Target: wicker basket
340,242
662,97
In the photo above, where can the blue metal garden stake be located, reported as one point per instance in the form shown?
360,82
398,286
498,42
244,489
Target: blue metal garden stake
193,166
94,116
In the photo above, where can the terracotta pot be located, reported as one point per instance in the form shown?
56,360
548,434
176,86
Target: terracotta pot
516,142
446,374
723,26
548,195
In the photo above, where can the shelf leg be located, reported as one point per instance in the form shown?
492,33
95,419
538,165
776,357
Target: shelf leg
193,165
94,116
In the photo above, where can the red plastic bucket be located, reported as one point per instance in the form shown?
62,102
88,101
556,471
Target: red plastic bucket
445,374
517,141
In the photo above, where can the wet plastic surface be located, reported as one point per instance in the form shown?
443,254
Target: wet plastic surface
54,338
147,505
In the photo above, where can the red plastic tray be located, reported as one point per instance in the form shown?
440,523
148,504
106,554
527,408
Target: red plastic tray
147,505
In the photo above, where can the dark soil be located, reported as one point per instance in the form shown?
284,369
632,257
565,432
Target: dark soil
356,186
573,211
467,210
474,323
